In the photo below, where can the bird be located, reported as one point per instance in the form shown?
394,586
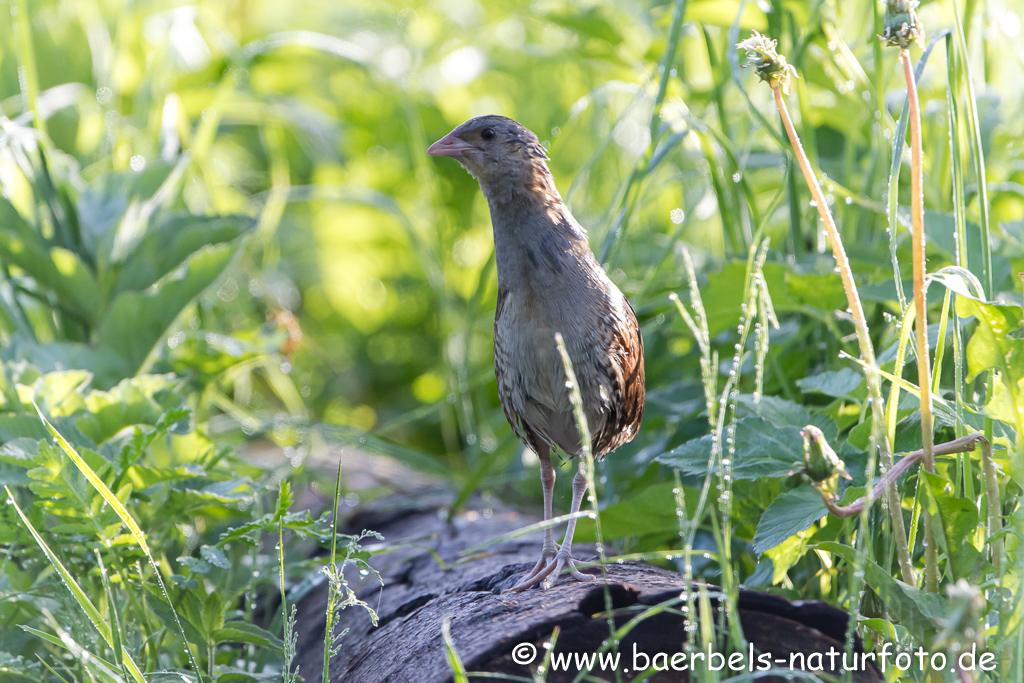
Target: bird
549,282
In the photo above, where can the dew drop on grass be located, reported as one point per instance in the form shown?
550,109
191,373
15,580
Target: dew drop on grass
849,200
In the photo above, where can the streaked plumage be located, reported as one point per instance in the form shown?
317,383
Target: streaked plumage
549,281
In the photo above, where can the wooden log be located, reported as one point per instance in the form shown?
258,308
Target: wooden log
487,625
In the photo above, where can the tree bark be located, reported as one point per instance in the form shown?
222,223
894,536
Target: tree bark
486,625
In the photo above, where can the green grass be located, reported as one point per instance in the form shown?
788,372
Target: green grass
331,281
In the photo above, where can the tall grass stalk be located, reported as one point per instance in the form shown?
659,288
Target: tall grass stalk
881,440
332,595
587,467
931,552
756,315
974,124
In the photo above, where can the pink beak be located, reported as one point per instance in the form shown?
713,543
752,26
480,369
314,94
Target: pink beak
449,146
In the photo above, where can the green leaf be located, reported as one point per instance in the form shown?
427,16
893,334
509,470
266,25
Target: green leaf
917,610
959,524
137,322
996,345
789,514
171,242
141,400
846,383
762,449
215,556
781,412
213,612
243,632
57,270
997,341
106,367
651,511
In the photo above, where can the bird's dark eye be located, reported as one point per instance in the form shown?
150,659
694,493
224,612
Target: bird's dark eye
487,133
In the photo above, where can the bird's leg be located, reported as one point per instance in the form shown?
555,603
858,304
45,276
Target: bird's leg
563,558
547,555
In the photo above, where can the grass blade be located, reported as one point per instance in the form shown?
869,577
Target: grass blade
76,592
129,521
979,154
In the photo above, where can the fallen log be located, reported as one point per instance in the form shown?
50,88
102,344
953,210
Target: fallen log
505,634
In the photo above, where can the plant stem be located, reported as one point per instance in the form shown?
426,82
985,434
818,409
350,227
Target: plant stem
964,444
993,505
860,324
931,557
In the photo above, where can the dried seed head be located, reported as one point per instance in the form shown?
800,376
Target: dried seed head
901,25
771,67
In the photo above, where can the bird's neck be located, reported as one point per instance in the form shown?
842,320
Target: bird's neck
536,238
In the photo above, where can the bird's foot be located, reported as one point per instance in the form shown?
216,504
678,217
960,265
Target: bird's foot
547,557
547,571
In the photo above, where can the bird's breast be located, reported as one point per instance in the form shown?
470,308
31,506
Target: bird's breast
530,370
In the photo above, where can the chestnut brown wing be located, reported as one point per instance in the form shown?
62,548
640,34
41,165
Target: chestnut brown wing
626,368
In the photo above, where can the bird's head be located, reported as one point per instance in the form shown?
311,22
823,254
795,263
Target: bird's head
495,150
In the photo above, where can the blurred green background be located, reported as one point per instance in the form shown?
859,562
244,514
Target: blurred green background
371,265
270,158
313,118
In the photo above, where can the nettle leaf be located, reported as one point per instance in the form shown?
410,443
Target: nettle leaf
213,612
787,515
916,610
791,292
21,451
106,367
761,450
652,510
779,412
960,523
61,393
846,383
103,202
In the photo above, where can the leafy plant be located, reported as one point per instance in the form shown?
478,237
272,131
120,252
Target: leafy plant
112,258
